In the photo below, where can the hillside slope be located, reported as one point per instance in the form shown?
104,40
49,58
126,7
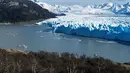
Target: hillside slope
22,10
16,61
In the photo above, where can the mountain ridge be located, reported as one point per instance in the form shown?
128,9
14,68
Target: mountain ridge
109,7
22,10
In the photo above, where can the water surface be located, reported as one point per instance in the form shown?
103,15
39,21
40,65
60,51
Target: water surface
35,38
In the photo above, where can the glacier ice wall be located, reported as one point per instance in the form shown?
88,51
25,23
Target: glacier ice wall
115,28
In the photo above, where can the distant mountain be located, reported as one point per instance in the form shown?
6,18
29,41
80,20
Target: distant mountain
126,9
22,10
106,8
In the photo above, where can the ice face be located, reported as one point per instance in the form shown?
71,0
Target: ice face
115,28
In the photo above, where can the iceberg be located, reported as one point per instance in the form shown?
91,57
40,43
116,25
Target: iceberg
113,28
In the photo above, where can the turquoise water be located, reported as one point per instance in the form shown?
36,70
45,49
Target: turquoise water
35,38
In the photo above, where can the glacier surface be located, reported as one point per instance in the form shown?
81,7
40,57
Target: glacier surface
114,28
101,21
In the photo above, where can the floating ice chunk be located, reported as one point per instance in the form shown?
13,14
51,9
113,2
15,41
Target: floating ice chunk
41,36
109,42
79,40
59,38
95,55
11,34
39,31
22,46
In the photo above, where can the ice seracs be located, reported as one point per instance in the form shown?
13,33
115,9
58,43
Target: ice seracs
115,28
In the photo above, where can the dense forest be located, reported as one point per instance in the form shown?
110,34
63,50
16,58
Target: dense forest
22,10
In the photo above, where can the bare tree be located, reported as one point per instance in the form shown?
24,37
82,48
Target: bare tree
34,65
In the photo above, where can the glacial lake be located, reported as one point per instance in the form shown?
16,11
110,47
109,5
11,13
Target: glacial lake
36,38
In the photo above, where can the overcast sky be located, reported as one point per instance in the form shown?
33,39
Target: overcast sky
83,1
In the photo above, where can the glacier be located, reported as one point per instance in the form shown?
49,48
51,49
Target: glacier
112,28
108,21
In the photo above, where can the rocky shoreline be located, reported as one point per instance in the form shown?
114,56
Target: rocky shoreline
17,61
